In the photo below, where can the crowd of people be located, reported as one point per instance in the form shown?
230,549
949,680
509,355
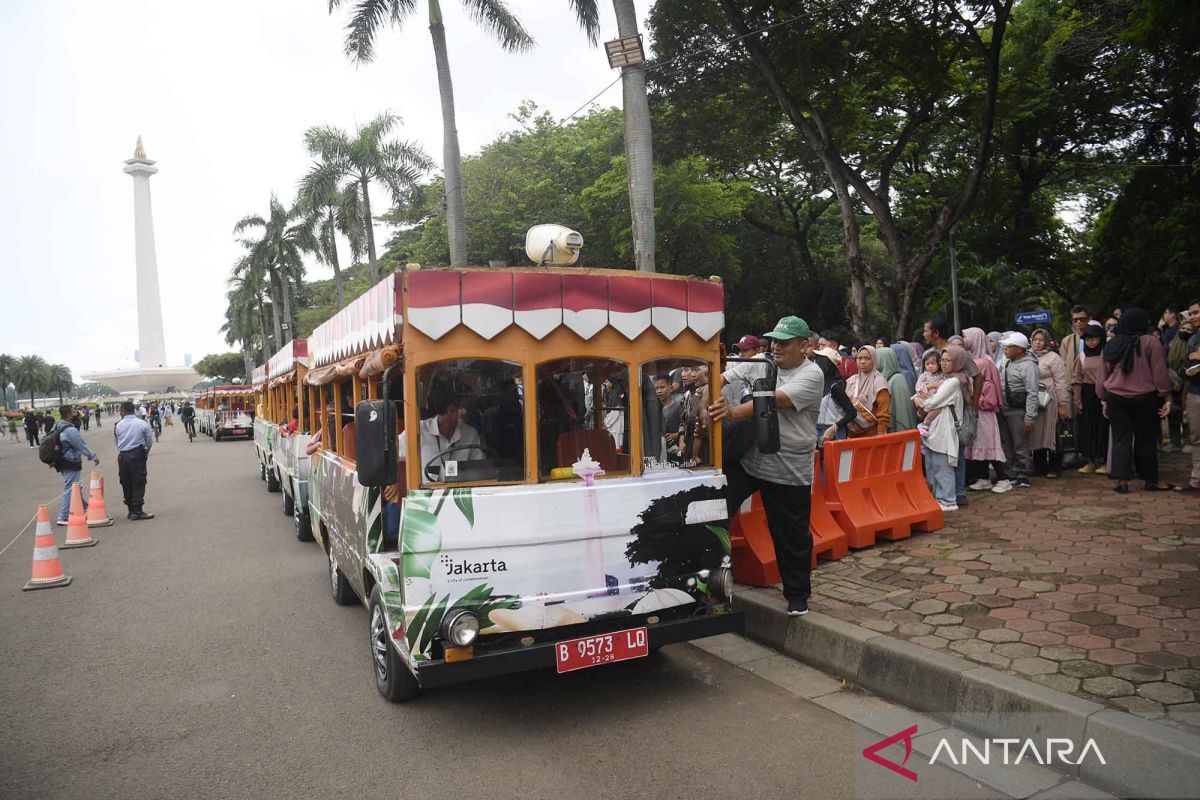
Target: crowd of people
994,410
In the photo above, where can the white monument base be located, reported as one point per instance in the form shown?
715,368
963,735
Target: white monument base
148,379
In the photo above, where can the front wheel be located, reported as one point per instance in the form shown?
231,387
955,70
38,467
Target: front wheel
343,593
289,505
303,525
272,480
393,678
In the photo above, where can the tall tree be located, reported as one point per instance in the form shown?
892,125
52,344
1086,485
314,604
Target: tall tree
58,379
639,149
336,212
285,235
368,16
6,365
347,166
30,374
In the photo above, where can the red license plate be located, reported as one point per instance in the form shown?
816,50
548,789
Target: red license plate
604,648
238,431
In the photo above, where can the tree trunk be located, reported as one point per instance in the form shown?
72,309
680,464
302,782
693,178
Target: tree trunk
370,224
275,313
262,325
247,361
639,149
456,208
285,291
333,261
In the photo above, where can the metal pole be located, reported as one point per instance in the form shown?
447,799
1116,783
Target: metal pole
954,284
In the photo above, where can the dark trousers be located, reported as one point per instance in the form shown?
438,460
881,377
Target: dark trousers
31,436
1091,428
132,467
787,509
1135,429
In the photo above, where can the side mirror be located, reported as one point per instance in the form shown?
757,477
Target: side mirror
766,422
375,442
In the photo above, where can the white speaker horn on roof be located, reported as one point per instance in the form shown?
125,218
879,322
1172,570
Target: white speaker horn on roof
553,245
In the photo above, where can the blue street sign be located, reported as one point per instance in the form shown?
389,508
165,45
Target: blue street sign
1039,317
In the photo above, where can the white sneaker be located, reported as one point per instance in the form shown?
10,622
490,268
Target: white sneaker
981,485
1002,486
950,507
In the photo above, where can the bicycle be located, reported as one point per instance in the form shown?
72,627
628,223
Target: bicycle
190,426
157,426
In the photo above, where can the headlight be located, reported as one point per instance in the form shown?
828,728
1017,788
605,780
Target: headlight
721,583
460,627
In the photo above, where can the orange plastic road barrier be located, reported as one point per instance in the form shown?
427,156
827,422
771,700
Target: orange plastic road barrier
753,549
47,567
829,540
97,513
874,487
77,526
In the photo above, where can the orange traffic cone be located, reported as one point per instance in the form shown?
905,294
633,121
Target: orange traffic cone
47,567
97,514
77,527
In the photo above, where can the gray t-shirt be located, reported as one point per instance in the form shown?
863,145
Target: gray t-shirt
742,374
793,464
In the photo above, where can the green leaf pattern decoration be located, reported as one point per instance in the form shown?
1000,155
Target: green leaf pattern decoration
429,618
420,539
723,535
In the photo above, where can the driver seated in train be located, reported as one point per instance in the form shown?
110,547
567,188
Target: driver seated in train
444,430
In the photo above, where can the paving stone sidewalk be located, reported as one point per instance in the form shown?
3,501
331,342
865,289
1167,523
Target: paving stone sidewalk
1065,583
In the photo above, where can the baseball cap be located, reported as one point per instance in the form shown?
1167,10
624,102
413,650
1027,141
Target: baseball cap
788,328
830,353
748,342
1015,339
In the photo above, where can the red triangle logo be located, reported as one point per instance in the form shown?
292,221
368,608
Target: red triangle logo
872,752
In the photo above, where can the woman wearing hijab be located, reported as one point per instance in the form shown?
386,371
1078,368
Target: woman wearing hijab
987,447
939,433
907,365
995,351
918,351
1092,426
1133,389
1052,377
903,413
868,390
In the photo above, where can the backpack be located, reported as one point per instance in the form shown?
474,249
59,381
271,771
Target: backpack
50,449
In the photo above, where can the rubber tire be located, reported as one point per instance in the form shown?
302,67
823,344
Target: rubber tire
396,683
262,470
289,505
339,586
303,525
273,481
217,437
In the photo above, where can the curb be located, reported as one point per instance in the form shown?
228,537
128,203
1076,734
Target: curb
1144,758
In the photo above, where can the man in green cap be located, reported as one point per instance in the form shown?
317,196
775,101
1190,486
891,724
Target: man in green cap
784,479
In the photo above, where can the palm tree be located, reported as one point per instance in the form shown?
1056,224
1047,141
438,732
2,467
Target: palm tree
244,322
6,365
358,161
29,374
58,379
365,21
334,212
247,309
286,236
639,151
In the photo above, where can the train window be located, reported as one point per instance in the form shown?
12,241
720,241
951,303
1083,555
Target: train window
583,403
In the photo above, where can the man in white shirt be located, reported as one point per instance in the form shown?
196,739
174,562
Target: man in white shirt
441,432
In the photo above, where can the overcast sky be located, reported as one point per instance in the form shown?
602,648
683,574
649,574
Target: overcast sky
221,93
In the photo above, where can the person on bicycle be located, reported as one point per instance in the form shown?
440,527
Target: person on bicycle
188,415
156,421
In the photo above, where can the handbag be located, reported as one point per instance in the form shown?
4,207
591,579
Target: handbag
865,419
1044,396
967,427
1065,436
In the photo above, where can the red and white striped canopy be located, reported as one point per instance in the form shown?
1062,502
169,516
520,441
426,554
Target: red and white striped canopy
539,302
367,323
285,360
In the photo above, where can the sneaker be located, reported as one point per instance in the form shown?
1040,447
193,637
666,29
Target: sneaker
961,501
981,485
138,515
1193,370
797,608
62,521
1087,469
1169,448
948,507
1102,469
1022,483
1002,486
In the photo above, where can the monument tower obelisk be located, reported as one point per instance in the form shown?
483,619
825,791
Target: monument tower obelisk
152,348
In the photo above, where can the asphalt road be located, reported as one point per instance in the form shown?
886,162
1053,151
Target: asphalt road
200,655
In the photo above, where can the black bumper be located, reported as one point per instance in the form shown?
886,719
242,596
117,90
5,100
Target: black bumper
541,654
